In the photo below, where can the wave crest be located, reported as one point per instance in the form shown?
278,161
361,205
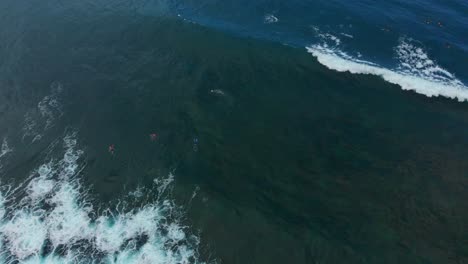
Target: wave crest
415,70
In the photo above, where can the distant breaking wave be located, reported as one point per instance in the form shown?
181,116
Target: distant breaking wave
415,70
48,219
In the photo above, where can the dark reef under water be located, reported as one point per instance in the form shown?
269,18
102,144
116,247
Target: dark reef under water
293,163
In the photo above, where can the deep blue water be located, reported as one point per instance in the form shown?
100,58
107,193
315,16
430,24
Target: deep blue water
368,30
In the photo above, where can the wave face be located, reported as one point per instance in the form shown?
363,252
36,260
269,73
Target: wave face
49,218
415,70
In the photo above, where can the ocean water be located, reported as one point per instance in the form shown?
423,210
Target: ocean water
153,131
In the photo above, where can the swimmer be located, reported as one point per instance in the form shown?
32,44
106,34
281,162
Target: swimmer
153,136
195,144
111,149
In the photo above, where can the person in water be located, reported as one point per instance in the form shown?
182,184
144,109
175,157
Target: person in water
153,136
195,144
112,149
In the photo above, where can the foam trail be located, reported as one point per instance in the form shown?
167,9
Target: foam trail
347,35
415,70
43,117
30,128
54,223
5,149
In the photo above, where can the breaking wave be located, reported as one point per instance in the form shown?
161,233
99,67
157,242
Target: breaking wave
415,70
48,219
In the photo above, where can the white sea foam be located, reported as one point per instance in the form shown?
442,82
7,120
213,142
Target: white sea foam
164,183
54,223
329,37
415,70
43,116
49,108
30,127
24,233
39,187
347,35
194,193
4,151
270,19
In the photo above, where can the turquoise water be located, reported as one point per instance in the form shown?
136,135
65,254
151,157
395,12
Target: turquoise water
265,153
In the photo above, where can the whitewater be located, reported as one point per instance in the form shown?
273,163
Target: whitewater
415,70
49,218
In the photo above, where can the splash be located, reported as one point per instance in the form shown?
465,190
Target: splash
49,219
415,70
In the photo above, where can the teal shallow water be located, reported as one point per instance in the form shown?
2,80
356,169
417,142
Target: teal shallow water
291,163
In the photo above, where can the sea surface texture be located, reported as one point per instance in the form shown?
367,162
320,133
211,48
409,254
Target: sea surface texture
233,131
